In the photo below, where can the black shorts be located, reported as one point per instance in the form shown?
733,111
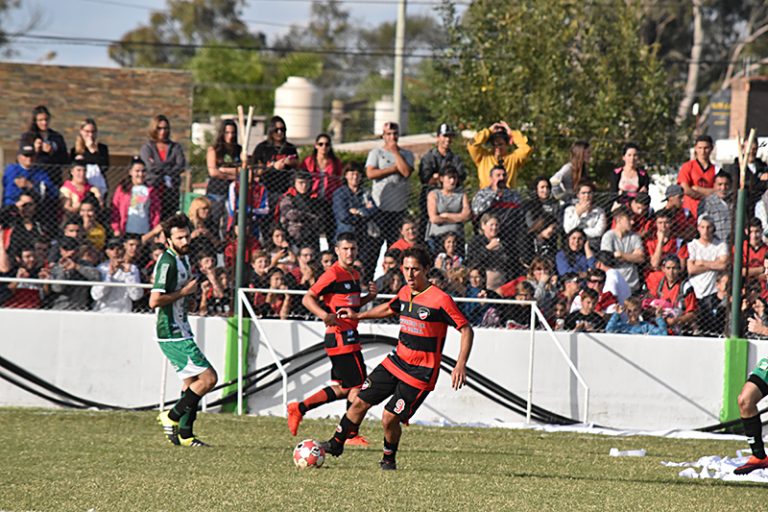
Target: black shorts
348,370
405,400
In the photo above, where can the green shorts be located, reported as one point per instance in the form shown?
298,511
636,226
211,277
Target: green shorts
759,376
186,357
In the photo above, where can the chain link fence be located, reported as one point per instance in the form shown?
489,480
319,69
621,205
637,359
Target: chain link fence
592,261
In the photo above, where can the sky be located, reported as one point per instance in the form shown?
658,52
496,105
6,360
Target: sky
110,19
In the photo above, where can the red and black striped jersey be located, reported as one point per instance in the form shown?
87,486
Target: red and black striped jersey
339,288
424,321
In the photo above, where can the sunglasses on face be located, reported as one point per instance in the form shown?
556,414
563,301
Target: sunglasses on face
323,144
280,129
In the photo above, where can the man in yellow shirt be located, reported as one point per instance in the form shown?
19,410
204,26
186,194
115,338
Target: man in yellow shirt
500,136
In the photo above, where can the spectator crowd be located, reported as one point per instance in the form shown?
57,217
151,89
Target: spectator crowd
593,261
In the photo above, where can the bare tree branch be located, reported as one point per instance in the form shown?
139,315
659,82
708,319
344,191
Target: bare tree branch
694,66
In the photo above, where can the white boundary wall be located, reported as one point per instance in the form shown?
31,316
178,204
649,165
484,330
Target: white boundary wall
635,381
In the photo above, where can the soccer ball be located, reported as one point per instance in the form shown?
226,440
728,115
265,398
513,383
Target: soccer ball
308,454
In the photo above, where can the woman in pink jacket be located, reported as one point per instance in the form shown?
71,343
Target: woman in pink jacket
136,206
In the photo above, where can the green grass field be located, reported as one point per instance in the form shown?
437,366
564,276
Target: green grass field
115,461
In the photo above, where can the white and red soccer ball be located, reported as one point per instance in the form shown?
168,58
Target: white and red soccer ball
308,454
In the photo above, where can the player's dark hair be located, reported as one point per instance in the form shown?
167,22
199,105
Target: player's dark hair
420,254
178,221
346,237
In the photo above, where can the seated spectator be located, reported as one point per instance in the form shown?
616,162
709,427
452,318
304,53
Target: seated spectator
559,315
156,250
205,233
136,206
518,316
755,250
132,248
634,324
94,154
94,232
626,247
607,302
642,219
505,205
276,159
327,258
76,188
391,282
669,290
487,251
325,168
541,241
165,163
539,275
252,245
586,319
614,281
306,270
437,277
758,312
565,181
257,211
391,262
713,310
24,229
682,221
451,254
115,269
273,304
409,234
71,267
719,206
52,150
457,278
570,287
540,202
212,303
25,175
707,256
500,136
577,256
447,208
279,249
629,180
223,160
257,276
26,266
585,215
299,211
475,289
663,243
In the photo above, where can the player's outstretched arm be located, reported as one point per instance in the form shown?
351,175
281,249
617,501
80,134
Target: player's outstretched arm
380,311
459,373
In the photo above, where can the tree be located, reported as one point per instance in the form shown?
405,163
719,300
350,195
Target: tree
170,37
561,70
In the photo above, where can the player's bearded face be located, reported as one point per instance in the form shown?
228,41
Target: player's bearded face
180,241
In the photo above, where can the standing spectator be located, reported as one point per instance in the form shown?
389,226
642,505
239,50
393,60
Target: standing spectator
257,211
719,206
389,167
664,242
276,159
707,256
541,202
447,208
500,136
223,160
566,180
487,251
437,158
95,155
683,222
634,324
136,205
585,215
675,294
697,176
324,167
299,211
131,248
576,257
113,299
586,319
165,162
626,247
52,154
89,214
25,295
77,188
756,177
71,267
205,234
353,210
24,175
630,179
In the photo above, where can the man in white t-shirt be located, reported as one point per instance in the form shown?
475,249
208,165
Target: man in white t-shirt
626,247
707,256
614,280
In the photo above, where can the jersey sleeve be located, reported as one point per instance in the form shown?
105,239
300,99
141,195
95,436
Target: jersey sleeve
320,287
394,304
164,275
453,315
684,177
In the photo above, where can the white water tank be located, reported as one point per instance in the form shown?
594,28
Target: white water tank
384,112
300,103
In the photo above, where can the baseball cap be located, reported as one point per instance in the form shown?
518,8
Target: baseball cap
27,150
390,126
445,129
113,242
78,161
672,191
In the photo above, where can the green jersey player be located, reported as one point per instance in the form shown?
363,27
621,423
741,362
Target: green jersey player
173,283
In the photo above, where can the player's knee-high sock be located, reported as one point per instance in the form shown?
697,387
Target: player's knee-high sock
343,432
323,396
390,451
186,421
753,429
188,402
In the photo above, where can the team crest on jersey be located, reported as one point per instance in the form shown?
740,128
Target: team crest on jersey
399,406
347,286
402,307
366,384
423,313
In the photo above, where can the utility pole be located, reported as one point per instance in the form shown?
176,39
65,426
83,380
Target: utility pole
397,93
